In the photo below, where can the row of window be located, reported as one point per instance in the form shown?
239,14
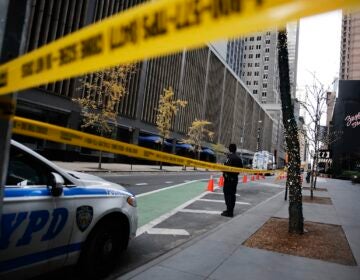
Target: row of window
264,93
256,83
267,58
256,74
251,39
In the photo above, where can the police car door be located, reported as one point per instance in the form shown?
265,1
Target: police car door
31,217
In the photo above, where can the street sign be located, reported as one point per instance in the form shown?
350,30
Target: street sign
326,154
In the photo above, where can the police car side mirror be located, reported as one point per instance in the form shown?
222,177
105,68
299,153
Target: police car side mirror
57,184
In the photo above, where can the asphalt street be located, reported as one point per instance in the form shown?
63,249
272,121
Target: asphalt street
174,209
172,215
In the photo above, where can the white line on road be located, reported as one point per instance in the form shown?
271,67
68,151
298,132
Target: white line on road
162,218
200,211
167,231
169,182
167,188
222,201
222,193
141,184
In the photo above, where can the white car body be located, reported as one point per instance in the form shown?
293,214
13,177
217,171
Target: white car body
40,231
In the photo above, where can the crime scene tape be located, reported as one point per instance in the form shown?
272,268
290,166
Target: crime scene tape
73,137
153,29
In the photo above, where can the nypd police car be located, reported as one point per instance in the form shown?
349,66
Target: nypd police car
53,217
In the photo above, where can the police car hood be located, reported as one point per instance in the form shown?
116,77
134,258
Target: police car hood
88,180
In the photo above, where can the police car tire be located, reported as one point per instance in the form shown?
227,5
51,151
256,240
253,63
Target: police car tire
94,262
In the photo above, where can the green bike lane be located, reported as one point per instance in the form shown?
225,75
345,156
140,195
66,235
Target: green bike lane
153,205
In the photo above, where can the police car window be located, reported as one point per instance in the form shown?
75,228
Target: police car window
25,170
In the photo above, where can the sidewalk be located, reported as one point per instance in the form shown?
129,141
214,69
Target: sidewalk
120,167
220,253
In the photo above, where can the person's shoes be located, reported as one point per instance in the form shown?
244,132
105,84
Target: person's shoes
227,214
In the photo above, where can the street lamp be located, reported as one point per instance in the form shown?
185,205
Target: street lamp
258,136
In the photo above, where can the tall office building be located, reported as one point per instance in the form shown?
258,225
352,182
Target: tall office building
260,73
259,66
201,76
350,47
293,45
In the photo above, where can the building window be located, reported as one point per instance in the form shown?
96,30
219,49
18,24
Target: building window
244,55
249,74
264,94
267,50
268,33
256,73
265,76
256,83
258,38
248,83
257,64
255,91
258,47
267,58
245,48
266,67
257,55
251,39
267,41
251,47
249,64
251,55
264,85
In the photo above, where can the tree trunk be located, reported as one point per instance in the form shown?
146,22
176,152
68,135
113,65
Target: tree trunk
100,159
100,152
296,219
313,174
161,149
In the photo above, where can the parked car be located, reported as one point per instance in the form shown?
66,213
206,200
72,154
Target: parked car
54,217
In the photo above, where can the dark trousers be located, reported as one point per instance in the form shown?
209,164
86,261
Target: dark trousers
229,193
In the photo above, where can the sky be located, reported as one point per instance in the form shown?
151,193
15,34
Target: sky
319,49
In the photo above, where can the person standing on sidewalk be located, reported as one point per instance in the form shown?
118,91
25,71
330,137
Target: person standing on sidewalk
230,181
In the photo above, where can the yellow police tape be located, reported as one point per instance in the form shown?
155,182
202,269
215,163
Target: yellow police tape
73,137
153,29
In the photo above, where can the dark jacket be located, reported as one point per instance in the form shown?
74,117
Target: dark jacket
235,161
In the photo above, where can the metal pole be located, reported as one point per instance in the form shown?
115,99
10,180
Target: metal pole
13,20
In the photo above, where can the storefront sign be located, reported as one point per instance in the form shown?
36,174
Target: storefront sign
353,120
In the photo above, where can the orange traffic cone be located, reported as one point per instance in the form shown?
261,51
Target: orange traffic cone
210,186
221,181
244,179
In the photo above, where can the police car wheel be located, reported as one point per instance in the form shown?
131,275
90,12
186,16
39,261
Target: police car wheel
101,250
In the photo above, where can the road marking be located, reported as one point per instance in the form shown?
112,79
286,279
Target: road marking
200,211
141,184
167,231
222,193
270,184
162,218
169,182
167,188
221,201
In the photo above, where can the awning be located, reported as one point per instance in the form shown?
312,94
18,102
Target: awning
184,146
208,151
153,139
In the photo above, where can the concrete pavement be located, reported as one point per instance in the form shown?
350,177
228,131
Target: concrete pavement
219,254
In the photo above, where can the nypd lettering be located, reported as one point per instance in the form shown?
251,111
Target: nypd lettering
36,221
